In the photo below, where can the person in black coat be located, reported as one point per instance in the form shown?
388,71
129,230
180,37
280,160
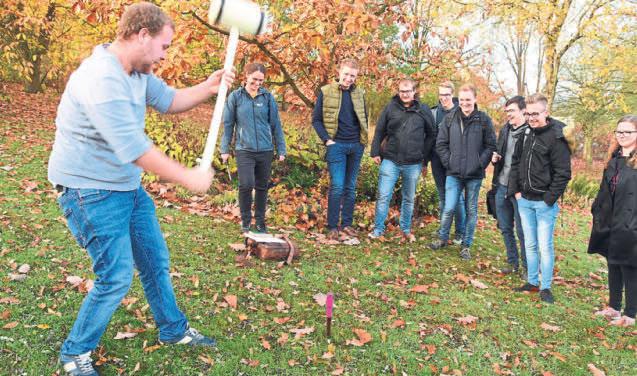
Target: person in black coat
614,233
402,144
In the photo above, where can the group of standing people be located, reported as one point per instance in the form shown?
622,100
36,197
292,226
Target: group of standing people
100,150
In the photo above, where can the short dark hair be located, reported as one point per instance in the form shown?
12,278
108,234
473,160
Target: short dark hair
519,100
254,67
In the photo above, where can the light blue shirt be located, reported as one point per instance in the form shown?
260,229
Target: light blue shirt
100,124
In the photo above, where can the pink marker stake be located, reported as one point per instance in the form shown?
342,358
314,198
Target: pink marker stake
329,304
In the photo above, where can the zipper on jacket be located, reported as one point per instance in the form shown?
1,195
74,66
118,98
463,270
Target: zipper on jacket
254,124
528,170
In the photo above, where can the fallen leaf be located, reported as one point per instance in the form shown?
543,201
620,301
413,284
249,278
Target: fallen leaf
43,326
24,268
398,324
363,338
467,320
5,314
478,284
266,345
17,277
151,348
461,277
124,335
74,280
551,328
338,371
595,371
292,362
206,360
281,320
237,246
283,339
420,288
298,333
531,344
320,299
242,317
10,325
231,300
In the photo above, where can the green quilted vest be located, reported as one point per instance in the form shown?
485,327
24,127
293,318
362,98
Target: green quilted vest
332,106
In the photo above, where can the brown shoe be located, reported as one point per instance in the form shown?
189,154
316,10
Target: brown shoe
332,235
349,231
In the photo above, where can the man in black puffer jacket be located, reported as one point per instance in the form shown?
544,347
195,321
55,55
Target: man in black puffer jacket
540,171
465,144
403,140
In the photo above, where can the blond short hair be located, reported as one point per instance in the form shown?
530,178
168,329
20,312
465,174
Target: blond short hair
413,82
448,85
537,98
348,63
469,87
142,15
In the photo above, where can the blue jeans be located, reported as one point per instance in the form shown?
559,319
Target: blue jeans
508,214
538,221
343,162
440,177
119,230
453,191
387,177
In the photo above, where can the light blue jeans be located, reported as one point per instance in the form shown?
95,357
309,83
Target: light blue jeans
119,230
387,176
453,189
538,222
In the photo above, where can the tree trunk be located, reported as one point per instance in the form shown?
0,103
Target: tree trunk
38,73
588,149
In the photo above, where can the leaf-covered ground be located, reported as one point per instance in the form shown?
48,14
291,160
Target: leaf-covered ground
399,308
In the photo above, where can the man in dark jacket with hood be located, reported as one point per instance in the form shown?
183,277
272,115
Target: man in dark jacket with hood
506,206
447,103
540,172
465,144
403,140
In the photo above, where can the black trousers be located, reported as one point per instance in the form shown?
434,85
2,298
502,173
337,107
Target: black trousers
623,277
254,174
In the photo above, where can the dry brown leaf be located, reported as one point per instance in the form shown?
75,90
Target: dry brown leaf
237,246
551,328
467,320
595,371
283,339
150,349
281,320
300,332
478,284
10,325
206,360
558,356
363,338
231,300
398,324
338,371
5,314
320,299
74,280
461,277
531,344
420,288
266,345
124,335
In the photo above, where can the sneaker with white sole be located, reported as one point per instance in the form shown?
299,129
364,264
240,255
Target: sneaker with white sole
465,254
78,365
192,337
609,313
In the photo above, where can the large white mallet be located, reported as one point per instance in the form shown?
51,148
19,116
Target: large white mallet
238,16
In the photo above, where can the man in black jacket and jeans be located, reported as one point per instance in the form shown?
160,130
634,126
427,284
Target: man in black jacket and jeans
403,140
465,144
506,206
540,172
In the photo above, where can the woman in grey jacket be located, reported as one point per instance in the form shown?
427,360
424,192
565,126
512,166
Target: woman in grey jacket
252,117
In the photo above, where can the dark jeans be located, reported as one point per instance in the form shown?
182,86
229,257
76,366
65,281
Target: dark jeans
254,174
622,277
508,215
343,162
440,177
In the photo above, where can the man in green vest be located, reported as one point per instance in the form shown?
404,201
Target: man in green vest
340,120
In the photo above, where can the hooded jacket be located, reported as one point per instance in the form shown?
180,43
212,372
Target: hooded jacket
541,166
503,147
409,132
254,122
465,144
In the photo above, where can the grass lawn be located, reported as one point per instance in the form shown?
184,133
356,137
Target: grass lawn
455,327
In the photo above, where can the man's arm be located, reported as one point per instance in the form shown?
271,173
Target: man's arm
379,133
317,119
488,138
429,134
515,167
442,141
187,98
561,166
155,161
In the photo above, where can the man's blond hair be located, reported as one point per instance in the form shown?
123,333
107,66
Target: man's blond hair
448,85
351,63
140,16
469,87
537,98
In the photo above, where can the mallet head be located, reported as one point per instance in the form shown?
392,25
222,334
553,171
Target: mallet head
245,15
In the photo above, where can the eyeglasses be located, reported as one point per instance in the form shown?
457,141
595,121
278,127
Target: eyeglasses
533,114
624,133
405,91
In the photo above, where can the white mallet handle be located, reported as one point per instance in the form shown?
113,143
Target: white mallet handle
209,150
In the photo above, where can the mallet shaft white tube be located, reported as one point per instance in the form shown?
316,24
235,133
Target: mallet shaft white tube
215,123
